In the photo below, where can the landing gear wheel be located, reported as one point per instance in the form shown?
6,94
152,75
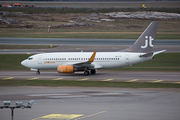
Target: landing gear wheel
86,72
93,72
38,72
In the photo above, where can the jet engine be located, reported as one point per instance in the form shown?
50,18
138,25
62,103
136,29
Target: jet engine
65,69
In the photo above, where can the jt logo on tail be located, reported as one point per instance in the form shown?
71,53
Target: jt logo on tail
146,42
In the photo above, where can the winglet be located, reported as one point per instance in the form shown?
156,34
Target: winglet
92,57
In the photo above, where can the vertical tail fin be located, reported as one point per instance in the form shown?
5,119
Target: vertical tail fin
144,43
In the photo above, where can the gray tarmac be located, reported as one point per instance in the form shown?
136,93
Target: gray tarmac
71,103
77,45
101,75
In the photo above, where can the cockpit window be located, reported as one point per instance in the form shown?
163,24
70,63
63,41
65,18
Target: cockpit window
30,58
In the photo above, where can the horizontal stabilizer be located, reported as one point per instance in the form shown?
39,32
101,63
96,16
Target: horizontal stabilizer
151,54
155,53
146,55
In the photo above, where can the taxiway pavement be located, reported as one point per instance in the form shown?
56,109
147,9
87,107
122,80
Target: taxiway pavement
68,103
77,45
118,76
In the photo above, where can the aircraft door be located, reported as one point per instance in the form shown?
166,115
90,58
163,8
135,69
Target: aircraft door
127,59
39,59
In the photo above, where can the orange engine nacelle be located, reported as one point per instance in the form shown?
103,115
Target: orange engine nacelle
65,69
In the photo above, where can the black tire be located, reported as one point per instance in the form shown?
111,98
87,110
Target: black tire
93,72
86,72
38,72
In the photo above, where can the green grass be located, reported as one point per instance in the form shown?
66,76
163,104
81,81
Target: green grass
168,36
90,36
161,62
87,35
85,84
12,62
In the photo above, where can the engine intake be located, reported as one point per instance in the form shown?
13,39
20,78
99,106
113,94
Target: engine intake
65,69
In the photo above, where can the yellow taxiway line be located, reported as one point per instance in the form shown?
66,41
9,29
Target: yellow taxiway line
8,78
132,80
157,81
107,80
33,78
57,79
83,79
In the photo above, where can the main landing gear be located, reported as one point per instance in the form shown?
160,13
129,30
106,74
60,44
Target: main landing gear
86,72
93,72
38,72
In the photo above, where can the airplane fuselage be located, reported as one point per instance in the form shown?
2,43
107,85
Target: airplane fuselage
103,60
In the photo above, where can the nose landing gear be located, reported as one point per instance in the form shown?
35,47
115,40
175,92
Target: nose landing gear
38,72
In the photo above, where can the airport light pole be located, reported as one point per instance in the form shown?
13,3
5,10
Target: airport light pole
7,104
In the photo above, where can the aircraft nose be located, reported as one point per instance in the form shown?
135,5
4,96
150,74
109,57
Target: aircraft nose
24,63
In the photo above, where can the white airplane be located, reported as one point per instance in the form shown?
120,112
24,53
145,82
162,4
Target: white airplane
89,62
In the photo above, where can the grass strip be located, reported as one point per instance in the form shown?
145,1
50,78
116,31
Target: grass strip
61,83
87,35
12,61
